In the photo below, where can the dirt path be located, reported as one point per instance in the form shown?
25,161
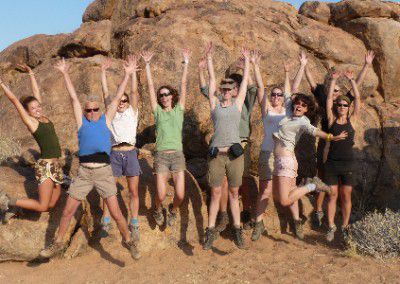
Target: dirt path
274,259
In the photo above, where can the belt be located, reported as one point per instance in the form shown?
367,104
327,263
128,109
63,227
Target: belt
94,168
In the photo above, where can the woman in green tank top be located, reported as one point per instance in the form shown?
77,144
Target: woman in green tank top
48,171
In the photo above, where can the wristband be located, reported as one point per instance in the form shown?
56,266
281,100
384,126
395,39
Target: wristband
329,137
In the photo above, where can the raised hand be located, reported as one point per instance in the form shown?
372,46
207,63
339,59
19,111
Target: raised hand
131,64
62,66
203,63
245,53
369,57
186,55
25,68
240,63
147,56
303,58
106,64
287,65
349,75
336,75
255,56
208,51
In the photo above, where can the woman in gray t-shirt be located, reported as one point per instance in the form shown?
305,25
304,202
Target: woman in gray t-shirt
223,159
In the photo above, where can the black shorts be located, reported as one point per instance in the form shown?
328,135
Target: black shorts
320,155
339,171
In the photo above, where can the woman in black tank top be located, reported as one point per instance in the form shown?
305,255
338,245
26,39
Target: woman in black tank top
338,172
48,170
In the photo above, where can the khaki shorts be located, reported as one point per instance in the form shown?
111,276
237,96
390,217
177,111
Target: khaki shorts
169,162
48,170
225,165
265,165
101,178
285,166
247,158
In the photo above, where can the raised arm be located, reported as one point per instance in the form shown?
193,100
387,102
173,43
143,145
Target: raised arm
134,84
202,68
240,65
299,76
130,67
287,87
310,79
212,84
369,58
104,86
357,97
63,67
30,123
182,96
329,99
255,59
243,86
147,56
34,84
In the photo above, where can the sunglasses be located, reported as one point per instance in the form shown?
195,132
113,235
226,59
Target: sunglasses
88,110
123,101
276,95
164,95
301,104
342,105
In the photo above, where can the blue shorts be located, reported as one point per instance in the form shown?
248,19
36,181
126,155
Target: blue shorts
125,163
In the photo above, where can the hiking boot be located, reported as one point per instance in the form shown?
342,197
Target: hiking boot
330,234
222,221
106,228
316,219
52,250
133,249
8,215
298,229
320,185
158,217
171,216
238,238
345,236
246,219
210,236
258,230
135,235
4,200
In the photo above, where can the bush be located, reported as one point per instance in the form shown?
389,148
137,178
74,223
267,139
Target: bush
9,147
377,234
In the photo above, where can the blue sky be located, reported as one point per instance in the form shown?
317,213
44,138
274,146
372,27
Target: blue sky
20,19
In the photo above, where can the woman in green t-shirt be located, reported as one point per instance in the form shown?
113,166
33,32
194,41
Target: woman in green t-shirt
168,109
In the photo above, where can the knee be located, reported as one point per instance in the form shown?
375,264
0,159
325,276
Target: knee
68,213
333,196
216,192
43,208
180,195
134,194
234,194
285,202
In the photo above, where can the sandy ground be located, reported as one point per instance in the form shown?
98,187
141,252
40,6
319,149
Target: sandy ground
273,259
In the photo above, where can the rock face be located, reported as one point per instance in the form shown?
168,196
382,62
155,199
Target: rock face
335,34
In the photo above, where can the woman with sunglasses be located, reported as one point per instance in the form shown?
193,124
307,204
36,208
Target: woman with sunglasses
273,110
225,153
124,155
168,110
94,138
320,92
48,170
338,173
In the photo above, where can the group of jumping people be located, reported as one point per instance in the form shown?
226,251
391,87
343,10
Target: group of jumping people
107,147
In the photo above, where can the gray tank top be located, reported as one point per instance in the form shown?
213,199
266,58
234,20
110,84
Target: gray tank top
226,126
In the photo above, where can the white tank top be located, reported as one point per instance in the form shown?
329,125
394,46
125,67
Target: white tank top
271,123
123,127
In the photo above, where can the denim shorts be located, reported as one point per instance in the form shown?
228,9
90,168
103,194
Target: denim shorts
125,163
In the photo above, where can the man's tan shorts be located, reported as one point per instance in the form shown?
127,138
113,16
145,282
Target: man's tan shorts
100,178
265,165
225,165
247,158
169,162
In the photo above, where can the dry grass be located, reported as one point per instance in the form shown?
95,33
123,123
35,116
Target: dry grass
9,147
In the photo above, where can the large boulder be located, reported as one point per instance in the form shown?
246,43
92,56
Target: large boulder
316,10
99,10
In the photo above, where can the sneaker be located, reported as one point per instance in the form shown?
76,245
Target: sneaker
8,215
4,200
246,219
171,216
135,235
298,229
345,236
320,185
222,221
316,219
259,228
52,250
158,217
105,229
133,249
210,236
330,235
238,237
